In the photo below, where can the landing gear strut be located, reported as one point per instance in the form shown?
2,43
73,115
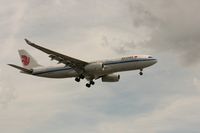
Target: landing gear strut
82,76
92,82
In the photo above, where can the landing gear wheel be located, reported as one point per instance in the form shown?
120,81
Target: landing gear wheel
88,85
92,82
82,76
77,79
141,73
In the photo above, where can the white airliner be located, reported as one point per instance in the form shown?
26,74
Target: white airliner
106,69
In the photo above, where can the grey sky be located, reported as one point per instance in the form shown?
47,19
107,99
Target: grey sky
164,100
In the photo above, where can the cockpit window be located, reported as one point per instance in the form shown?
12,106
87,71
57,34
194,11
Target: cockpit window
150,57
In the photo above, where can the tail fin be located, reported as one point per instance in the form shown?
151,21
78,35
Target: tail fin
28,61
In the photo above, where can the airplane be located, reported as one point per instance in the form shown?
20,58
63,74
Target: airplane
75,68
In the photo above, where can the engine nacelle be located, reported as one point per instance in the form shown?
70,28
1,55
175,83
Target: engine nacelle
94,67
111,78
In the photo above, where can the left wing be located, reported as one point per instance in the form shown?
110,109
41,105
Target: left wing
76,64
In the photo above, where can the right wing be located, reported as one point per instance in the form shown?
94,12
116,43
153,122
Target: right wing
76,64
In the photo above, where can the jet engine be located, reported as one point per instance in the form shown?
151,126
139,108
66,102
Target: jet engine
94,67
111,78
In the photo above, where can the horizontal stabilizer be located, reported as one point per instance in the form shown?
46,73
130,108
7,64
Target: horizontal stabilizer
21,68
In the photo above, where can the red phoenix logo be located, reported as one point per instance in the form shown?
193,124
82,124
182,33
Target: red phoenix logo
25,60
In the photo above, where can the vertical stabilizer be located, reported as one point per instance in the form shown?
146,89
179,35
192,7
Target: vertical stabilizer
27,60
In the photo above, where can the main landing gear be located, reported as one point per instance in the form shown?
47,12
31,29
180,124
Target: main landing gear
77,79
90,83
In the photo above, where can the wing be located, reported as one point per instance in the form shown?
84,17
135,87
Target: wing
76,64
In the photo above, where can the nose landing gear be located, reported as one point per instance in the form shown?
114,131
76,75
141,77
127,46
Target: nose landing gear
141,72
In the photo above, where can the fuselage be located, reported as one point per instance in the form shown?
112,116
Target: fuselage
134,62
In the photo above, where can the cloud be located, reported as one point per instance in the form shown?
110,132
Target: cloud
159,26
92,30
7,92
173,27
177,115
196,83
